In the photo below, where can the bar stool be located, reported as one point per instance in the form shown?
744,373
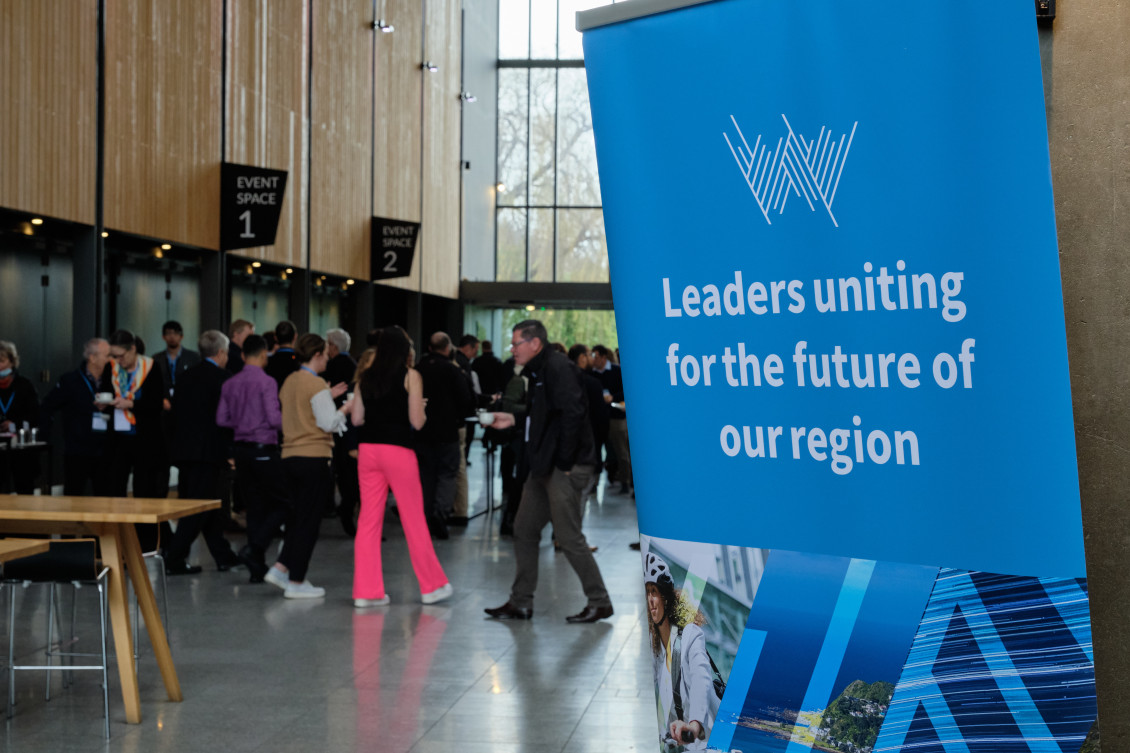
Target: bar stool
72,561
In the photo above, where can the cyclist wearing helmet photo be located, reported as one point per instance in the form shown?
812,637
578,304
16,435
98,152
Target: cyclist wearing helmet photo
684,672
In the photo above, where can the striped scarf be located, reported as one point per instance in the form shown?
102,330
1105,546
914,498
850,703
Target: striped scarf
128,383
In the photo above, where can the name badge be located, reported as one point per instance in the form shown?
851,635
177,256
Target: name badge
99,423
121,423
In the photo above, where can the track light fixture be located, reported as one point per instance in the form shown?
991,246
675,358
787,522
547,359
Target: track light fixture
430,67
382,26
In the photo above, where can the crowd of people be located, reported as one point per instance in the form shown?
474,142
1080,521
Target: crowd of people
274,423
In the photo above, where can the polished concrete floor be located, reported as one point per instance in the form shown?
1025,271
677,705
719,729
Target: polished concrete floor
261,673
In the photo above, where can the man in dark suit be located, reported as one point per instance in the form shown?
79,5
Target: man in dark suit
170,363
201,449
238,332
450,401
283,362
492,375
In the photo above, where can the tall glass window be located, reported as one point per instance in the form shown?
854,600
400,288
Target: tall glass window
550,227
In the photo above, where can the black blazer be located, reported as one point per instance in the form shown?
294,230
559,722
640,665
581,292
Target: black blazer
188,359
560,432
198,438
73,396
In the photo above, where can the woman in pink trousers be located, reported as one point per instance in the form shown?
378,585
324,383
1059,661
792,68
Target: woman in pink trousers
389,406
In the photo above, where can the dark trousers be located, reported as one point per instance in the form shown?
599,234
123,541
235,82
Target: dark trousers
557,498
309,480
260,478
85,475
22,467
345,474
201,481
439,474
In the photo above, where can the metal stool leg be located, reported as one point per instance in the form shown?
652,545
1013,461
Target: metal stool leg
50,635
11,651
105,676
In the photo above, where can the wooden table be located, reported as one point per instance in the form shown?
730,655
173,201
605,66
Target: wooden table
112,520
14,549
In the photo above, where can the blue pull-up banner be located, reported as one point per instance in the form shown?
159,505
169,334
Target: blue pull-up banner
834,266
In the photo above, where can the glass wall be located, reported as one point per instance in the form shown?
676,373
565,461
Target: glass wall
548,217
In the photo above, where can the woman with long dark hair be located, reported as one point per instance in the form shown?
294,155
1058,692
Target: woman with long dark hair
389,406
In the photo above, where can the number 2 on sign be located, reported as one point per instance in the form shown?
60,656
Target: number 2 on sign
390,265
246,217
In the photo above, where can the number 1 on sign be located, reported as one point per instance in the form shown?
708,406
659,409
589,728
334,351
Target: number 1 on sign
246,217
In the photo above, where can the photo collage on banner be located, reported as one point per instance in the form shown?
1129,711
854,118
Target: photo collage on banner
833,258
777,651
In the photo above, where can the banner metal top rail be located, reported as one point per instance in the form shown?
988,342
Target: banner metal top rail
626,11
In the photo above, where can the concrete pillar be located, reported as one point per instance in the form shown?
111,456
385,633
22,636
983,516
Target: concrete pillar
1086,63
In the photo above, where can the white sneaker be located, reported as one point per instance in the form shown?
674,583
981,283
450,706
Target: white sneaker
443,592
277,577
303,590
382,602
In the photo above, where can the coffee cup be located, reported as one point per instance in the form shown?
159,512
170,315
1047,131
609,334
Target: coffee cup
104,397
486,418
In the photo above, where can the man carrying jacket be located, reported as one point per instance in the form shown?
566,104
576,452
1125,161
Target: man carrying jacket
561,457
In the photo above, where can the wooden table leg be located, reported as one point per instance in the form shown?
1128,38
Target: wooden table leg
139,574
109,536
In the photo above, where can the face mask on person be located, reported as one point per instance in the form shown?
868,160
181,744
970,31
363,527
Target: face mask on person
5,373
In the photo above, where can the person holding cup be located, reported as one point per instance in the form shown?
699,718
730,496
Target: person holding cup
83,397
19,409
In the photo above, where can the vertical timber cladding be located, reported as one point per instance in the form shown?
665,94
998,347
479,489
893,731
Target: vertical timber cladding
342,137
439,235
396,116
163,82
267,118
48,134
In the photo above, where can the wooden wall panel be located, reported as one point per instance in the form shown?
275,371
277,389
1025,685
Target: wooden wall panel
396,113
342,137
267,118
439,234
163,71
48,92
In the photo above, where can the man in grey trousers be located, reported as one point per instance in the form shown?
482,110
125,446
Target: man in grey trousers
562,457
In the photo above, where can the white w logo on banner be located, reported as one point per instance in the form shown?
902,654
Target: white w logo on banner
810,169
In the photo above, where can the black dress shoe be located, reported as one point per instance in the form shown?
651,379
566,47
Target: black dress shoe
181,568
255,564
510,612
590,614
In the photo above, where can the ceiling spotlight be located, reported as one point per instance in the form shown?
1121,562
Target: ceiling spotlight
323,277
105,234
384,27
36,221
256,264
468,97
430,67
166,247
349,282
529,307
289,271
500,187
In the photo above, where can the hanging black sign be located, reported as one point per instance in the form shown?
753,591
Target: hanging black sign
250,205
393,246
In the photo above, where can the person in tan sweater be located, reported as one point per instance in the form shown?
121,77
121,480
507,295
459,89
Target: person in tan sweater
309,420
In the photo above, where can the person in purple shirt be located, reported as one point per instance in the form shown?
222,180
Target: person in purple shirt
249,406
